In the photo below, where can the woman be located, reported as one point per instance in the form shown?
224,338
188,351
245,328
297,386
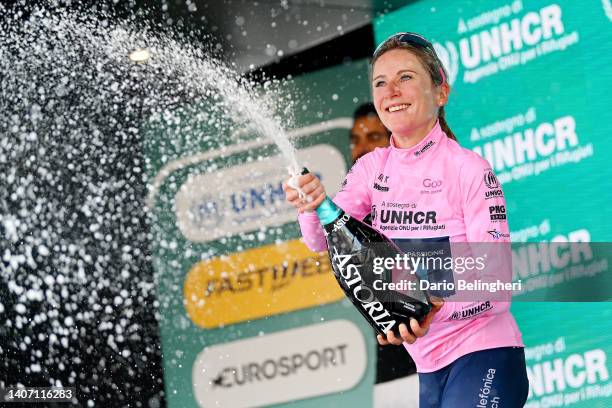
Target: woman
425,186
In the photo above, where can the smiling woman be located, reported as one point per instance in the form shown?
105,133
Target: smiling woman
425,171
409,88
407,100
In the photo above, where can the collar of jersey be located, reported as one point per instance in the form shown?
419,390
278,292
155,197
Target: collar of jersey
434,135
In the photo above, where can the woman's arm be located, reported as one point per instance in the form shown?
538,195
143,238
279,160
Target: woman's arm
354,198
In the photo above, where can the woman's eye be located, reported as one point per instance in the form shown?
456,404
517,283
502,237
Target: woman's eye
405,77
379,83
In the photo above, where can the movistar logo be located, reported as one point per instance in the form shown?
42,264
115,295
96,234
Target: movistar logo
424,148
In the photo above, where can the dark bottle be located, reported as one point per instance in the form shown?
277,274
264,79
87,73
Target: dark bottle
353,247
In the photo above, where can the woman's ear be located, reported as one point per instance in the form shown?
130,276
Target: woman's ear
443,94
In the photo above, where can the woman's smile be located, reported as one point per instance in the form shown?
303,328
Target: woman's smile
400,107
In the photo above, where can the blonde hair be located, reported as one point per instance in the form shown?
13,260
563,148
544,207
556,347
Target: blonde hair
433,65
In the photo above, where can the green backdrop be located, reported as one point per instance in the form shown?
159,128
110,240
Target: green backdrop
322,96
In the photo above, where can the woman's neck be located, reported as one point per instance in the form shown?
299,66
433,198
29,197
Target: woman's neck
412,137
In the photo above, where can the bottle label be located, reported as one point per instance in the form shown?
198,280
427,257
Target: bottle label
354,286
340,223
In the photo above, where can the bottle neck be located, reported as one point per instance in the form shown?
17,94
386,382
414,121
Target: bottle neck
328,212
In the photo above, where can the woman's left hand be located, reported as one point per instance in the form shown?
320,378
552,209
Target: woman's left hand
418,330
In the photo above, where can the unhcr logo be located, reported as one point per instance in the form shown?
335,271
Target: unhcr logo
500,39
449,56
246,198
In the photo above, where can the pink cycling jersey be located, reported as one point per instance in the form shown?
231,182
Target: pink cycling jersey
431,190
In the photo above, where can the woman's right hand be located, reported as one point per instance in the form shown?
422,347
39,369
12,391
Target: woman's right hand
418,330
312,187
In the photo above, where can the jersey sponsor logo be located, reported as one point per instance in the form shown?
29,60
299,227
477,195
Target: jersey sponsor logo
382,179
497,234
381,188
497,212
398,205
408,217
490,180
432,183
404,218
472,311
493,193
432,186
343,184
424,148
345,181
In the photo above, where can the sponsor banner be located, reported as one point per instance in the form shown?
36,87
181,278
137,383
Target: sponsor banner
559,378
504,38
258,282
563,267
571,365
249,196
225,245
284,366
489,41
522,146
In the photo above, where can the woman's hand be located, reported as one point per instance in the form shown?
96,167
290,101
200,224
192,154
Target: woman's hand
418,330
312,187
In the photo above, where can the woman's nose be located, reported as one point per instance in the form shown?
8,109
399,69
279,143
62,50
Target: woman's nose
393,89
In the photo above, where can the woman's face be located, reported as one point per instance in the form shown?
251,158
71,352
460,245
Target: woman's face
405,97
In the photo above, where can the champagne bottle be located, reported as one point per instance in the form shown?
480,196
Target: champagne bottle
353,247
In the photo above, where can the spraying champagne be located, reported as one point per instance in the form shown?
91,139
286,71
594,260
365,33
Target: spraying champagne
353,246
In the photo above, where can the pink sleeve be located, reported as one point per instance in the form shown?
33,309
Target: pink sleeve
354,198
484,216
312,231
484,205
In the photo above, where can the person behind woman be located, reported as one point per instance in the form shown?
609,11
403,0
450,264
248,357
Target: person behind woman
424,186
367,132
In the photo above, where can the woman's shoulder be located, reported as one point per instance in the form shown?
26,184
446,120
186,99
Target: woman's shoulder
466,159
373,158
